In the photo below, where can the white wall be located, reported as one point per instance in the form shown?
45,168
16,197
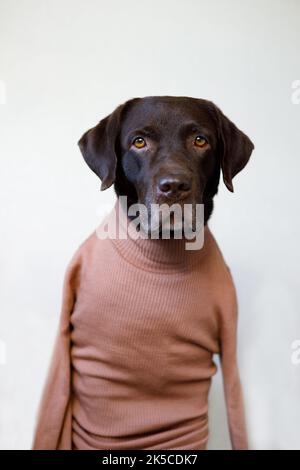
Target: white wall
67,63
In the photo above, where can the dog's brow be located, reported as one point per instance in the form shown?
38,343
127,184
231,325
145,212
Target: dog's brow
146,131
192,127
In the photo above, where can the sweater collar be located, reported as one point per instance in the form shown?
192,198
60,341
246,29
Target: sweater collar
162,255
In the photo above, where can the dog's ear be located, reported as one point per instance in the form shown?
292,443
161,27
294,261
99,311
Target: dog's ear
98,147
235,148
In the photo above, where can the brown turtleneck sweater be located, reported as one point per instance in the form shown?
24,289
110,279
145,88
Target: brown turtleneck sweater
133,359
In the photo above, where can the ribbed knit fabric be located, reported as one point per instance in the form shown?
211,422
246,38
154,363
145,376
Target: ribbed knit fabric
132,364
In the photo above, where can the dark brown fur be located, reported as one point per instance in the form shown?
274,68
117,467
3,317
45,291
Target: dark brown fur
170,168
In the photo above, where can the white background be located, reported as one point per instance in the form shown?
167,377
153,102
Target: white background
65,64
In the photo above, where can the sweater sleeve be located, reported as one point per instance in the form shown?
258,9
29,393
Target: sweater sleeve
231,380
53,428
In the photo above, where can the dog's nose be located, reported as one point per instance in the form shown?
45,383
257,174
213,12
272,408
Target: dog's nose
172,186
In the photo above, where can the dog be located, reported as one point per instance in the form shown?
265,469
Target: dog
141,318
166,149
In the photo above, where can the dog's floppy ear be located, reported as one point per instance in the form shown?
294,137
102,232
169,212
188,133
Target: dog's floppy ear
235,148
98,144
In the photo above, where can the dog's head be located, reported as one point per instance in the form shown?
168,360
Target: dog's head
165,149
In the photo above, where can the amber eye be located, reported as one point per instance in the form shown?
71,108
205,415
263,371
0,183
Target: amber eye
200,141
139,142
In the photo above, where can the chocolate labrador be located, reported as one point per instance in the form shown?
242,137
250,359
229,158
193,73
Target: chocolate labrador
142,319
165,149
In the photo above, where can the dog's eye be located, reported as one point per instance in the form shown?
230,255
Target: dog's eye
139,142
200,141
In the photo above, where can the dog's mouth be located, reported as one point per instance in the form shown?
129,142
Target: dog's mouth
170,219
